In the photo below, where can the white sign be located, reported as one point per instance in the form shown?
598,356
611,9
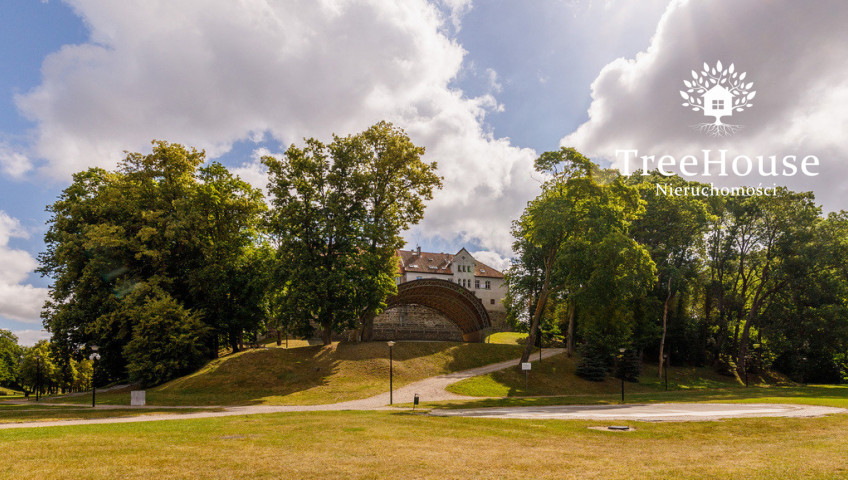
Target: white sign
525,365
137,398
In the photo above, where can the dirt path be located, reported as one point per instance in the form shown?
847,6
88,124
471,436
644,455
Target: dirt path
431,389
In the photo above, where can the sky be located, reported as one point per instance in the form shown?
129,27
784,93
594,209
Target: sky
484,86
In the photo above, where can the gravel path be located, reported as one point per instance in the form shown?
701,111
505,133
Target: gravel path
431,389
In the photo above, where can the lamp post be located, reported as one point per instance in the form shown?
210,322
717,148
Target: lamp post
665,370
94,357
621,371
390,344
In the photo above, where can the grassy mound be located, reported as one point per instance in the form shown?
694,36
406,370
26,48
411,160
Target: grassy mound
312,375
507,338
8,393
556,376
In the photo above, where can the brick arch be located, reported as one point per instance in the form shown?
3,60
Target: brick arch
452,300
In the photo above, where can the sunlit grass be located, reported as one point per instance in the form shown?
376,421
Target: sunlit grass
376,445
16,413
507,338
314,374
556,376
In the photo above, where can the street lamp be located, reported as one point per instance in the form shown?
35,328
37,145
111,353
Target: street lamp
665,360
390,344
621,371
94,357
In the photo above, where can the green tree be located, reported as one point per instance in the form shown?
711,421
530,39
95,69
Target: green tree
167,339
10,358
38,371
163,221
561,227
672,228
338,213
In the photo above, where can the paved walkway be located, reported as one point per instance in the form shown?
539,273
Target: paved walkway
653,412
431,390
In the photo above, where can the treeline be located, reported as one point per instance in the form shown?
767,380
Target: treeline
739,283
31,369
168,260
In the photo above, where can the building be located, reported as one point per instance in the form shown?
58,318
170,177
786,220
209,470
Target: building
419,322
462,268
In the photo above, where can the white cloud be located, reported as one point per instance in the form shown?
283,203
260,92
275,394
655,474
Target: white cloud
12,162
210,74
18,301
492,259
793,51
29,338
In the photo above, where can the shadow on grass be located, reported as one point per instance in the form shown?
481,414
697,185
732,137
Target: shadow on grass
312,374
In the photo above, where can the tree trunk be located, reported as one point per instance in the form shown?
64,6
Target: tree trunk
569,346
366,329
279,337
665,329
327,335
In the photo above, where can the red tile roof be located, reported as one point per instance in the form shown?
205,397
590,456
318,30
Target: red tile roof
439,263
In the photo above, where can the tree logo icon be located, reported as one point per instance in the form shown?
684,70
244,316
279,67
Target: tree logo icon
718,92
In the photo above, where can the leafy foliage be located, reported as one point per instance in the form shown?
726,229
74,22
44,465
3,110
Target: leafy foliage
167,339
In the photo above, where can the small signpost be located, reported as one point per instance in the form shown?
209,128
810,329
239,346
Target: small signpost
526,367
137,398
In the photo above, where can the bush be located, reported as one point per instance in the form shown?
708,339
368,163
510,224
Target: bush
629,366
167,341
593,363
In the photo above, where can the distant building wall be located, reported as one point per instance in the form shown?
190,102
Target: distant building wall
415,322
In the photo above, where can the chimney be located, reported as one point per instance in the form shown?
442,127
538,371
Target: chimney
419,250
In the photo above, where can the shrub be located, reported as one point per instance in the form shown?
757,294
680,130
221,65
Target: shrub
593,363
167,341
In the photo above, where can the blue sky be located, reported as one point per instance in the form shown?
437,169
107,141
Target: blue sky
485,86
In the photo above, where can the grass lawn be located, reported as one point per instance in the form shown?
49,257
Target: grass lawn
16,413
506,338
555,376
314,374
377,445
7,393
825,395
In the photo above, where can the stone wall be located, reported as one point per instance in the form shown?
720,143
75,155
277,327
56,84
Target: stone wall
415,322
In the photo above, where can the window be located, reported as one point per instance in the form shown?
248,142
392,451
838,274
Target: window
488,284
493,301
718,104
477,284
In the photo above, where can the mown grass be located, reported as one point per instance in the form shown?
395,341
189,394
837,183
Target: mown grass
314,374
825,395
376,445
7,393
18,413
506,338
556,376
